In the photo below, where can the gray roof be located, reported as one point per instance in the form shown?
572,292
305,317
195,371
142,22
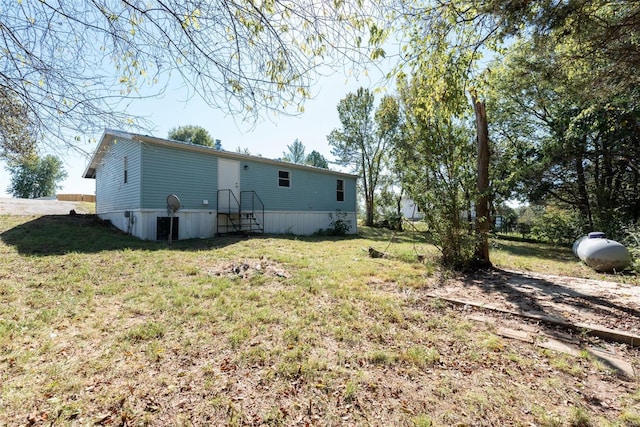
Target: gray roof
110,135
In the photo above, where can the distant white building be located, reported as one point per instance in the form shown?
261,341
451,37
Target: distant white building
410,210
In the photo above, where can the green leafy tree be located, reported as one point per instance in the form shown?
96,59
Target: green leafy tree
193,134
316,159
365,140
295,153
594,31
445,41
505,218
569,147
388,196
557,226
442,49
589,30
33,177
436,154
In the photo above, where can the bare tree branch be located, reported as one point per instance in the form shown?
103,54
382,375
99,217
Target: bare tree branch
76,65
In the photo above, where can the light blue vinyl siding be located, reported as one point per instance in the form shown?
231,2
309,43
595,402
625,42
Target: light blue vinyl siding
112,193
157,168
191,175
309,190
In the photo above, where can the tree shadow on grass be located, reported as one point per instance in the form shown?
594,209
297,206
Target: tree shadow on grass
551,304
49,235
535,250
545,298
385,235
60,234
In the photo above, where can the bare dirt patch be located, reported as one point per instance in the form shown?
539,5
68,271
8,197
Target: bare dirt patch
610,305
249,267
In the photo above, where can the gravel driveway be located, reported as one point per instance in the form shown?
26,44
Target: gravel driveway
9,206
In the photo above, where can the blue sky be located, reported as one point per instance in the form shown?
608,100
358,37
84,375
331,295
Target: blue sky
268,137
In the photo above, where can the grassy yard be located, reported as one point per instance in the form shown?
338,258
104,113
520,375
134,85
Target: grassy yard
98,328
557,260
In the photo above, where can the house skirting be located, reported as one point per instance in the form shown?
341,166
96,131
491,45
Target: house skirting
201,224
303,223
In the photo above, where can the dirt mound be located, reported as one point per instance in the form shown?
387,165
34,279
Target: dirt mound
246,268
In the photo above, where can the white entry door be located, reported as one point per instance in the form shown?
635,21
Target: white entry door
228,179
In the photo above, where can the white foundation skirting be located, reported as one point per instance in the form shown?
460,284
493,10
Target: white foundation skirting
201,224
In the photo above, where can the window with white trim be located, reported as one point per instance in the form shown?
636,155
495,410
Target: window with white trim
126,169
340,190
284,179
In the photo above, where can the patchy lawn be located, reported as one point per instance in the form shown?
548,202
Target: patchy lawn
98,328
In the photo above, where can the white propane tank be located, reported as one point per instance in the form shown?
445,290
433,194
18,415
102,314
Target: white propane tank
600,253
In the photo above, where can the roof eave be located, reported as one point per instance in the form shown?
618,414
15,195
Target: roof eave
109,135
233,155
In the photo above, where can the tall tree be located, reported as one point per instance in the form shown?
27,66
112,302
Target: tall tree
483,220
316,159
295,153
33,177
441,50
437,157
595,31
576,150
444,40
365,139
75,64
193,134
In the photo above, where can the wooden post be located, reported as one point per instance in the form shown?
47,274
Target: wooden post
171,226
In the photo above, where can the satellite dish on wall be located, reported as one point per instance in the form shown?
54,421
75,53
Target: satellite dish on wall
174,204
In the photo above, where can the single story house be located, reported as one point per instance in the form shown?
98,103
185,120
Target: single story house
219,191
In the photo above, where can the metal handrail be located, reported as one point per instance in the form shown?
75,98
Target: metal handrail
230,196
255,201
249,208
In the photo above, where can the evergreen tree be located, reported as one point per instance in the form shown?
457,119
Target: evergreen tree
295,153
316,159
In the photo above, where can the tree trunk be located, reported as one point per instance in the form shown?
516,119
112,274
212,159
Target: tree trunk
584,206
482,202
368,193
369,211
399,211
